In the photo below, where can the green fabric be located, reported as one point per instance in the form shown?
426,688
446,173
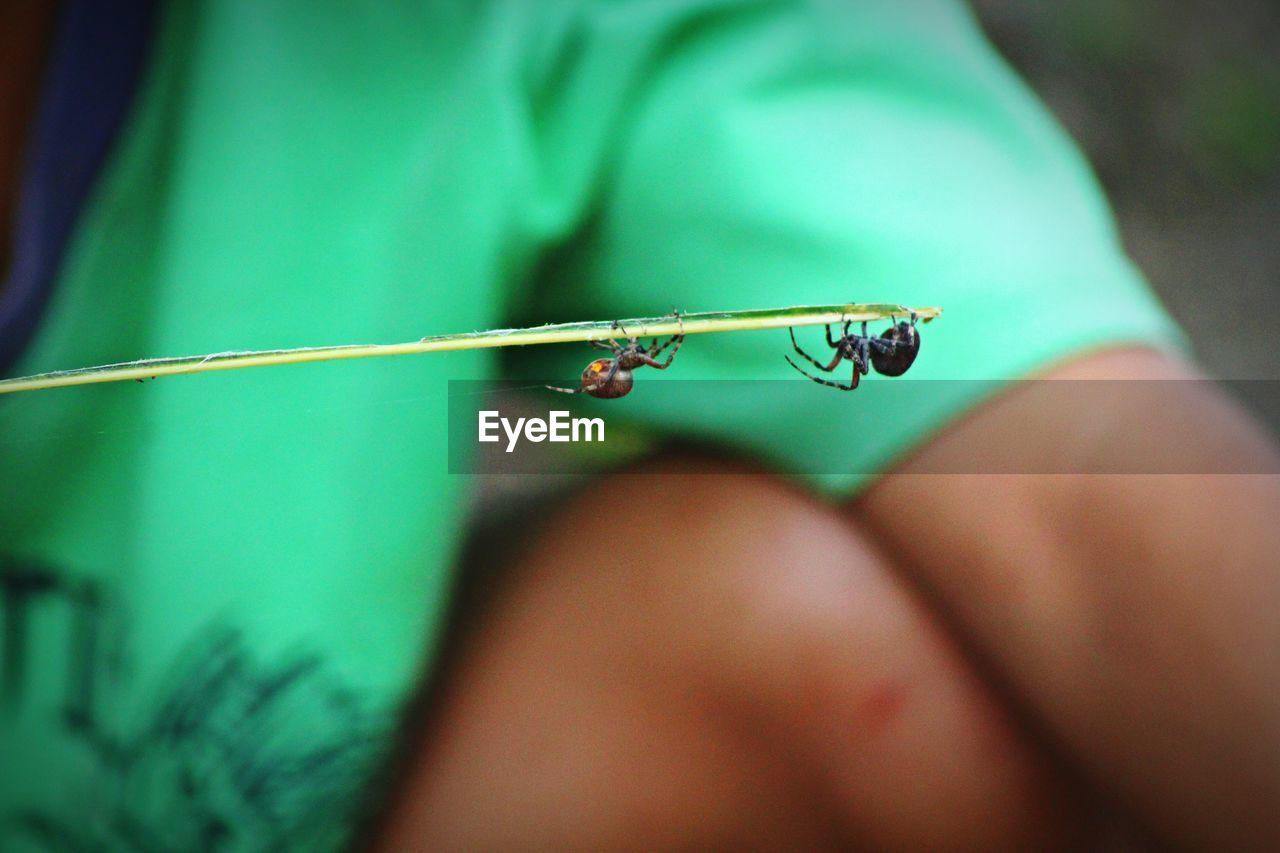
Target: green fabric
261,558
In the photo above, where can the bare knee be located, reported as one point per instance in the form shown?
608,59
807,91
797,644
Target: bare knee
715,653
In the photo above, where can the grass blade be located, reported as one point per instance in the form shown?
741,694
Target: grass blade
693,324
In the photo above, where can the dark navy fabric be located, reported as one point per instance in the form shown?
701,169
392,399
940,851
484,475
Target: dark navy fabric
95,63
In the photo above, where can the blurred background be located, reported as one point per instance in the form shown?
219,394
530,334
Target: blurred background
1177,105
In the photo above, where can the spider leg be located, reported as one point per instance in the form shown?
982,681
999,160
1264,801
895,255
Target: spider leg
611,345
663,365
851,386
885,346
654,350
862,364
830,367
859,370
658,351
914,318
632,341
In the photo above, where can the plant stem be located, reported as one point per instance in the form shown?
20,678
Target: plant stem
691,324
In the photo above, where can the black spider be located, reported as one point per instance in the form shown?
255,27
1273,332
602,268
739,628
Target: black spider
890,354
609,378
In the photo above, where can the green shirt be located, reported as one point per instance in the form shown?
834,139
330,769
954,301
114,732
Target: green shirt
245,573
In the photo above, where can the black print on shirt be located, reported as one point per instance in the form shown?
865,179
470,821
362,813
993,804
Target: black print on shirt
28,588
238,751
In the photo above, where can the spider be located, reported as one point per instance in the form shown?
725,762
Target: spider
609,378
890,354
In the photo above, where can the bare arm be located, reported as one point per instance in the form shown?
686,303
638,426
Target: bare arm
1136,616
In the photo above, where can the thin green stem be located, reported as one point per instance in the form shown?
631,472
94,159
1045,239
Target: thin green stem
691,324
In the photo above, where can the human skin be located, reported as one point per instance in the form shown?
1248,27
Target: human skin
948,662
1134,617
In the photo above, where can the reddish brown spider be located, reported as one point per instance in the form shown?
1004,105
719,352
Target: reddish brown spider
609,378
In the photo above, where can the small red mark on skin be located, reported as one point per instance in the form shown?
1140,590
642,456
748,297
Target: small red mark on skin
882,705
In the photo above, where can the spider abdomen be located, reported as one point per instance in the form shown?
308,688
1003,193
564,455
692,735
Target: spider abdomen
596,382
900,358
